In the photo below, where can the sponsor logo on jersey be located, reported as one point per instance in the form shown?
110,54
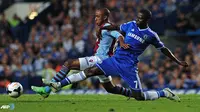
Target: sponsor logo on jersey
136,37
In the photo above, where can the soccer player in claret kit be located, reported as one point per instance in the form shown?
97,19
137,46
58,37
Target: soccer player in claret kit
124,62
103,49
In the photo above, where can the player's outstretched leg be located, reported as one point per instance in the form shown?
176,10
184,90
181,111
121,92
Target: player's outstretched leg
68,80
81,76
73,78
153,95
45,91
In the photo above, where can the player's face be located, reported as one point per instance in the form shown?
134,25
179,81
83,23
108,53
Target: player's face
140,20
99,17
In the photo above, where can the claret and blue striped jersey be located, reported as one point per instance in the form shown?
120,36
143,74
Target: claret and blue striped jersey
104,47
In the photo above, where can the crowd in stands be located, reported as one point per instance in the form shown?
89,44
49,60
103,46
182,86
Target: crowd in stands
69,32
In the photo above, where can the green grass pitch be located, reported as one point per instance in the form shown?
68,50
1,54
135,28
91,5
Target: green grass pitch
98,103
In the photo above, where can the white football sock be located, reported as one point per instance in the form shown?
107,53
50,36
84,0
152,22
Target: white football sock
151,95
77,77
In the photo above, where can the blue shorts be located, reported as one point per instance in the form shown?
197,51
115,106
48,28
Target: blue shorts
127,71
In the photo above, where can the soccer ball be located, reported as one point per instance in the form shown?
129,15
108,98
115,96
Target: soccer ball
14,89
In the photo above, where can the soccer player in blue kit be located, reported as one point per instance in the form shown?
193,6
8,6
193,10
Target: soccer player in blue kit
103,49
124,62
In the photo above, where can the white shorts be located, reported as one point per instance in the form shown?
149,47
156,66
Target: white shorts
87,62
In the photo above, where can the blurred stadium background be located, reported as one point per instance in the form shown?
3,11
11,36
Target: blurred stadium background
36,37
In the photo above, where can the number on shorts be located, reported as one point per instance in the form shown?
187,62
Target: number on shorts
135,84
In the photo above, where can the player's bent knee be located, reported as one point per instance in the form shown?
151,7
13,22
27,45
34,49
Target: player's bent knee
88,72
70,63
93,71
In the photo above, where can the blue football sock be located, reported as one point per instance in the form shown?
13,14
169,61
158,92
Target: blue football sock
161,93
65,82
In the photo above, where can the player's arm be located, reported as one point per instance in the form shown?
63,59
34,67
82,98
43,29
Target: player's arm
120,38
123,28
122,43
108,27
159,45
111,27
169,54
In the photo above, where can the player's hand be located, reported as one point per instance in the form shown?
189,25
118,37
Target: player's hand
183,63
125,46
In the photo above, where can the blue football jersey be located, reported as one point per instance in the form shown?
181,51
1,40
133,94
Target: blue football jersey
138,39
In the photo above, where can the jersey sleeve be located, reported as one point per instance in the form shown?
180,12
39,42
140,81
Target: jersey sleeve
125,26
157,42
113,33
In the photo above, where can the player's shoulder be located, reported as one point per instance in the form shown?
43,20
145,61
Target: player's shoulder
104,32
106,24
152,33
128,24
131,22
